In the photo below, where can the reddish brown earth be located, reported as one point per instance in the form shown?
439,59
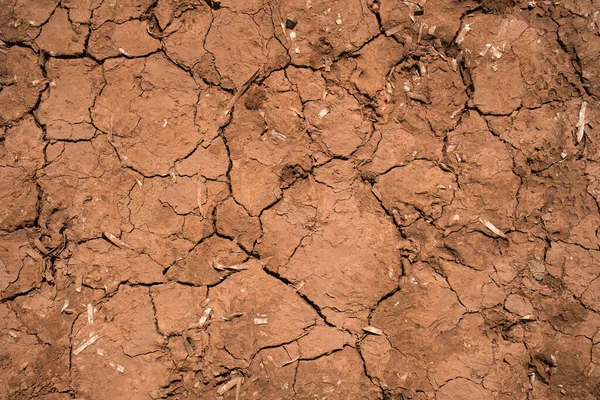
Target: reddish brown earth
299,199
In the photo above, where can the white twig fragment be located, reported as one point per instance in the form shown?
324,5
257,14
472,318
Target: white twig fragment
485,50
230,385
492,227
373,330
463,32
85,344
278,134
394,30
454,65
119,367
13,334
323,113
338,21
65,305
236,267
204,317
116,241
290,362
261,321
581,122
218,267
78,283
232,316
90,314
123,51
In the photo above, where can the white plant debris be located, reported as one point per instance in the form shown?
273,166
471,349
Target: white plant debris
373,330
204,317
78,283
116,241
86,344
65,305
581,122
236,381
261,321
90,314
463,32
492,227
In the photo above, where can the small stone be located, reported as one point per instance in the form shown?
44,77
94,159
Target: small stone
290,23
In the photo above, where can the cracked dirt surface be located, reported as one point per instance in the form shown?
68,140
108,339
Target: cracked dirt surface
299,199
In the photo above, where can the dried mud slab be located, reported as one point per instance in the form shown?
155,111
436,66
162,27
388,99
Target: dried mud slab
101,265
207,263
431,189
337,123
580,35
22,146
60,37
172,318
19,197
342,377
393,146
234,221
455,347
26,360
118,11
488,186
262,148
169,216
192,26
374,62
20,20
405,20
154,116
20,265
574,216
20,77
135,369
85,188
237,60
64,109
251,311
528,131
129,38
324,30
313,251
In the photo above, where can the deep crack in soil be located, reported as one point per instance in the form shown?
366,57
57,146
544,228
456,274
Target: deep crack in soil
299,199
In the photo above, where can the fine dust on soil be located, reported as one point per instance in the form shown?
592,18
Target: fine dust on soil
403,203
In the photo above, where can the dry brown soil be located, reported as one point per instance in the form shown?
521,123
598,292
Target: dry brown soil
299,199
